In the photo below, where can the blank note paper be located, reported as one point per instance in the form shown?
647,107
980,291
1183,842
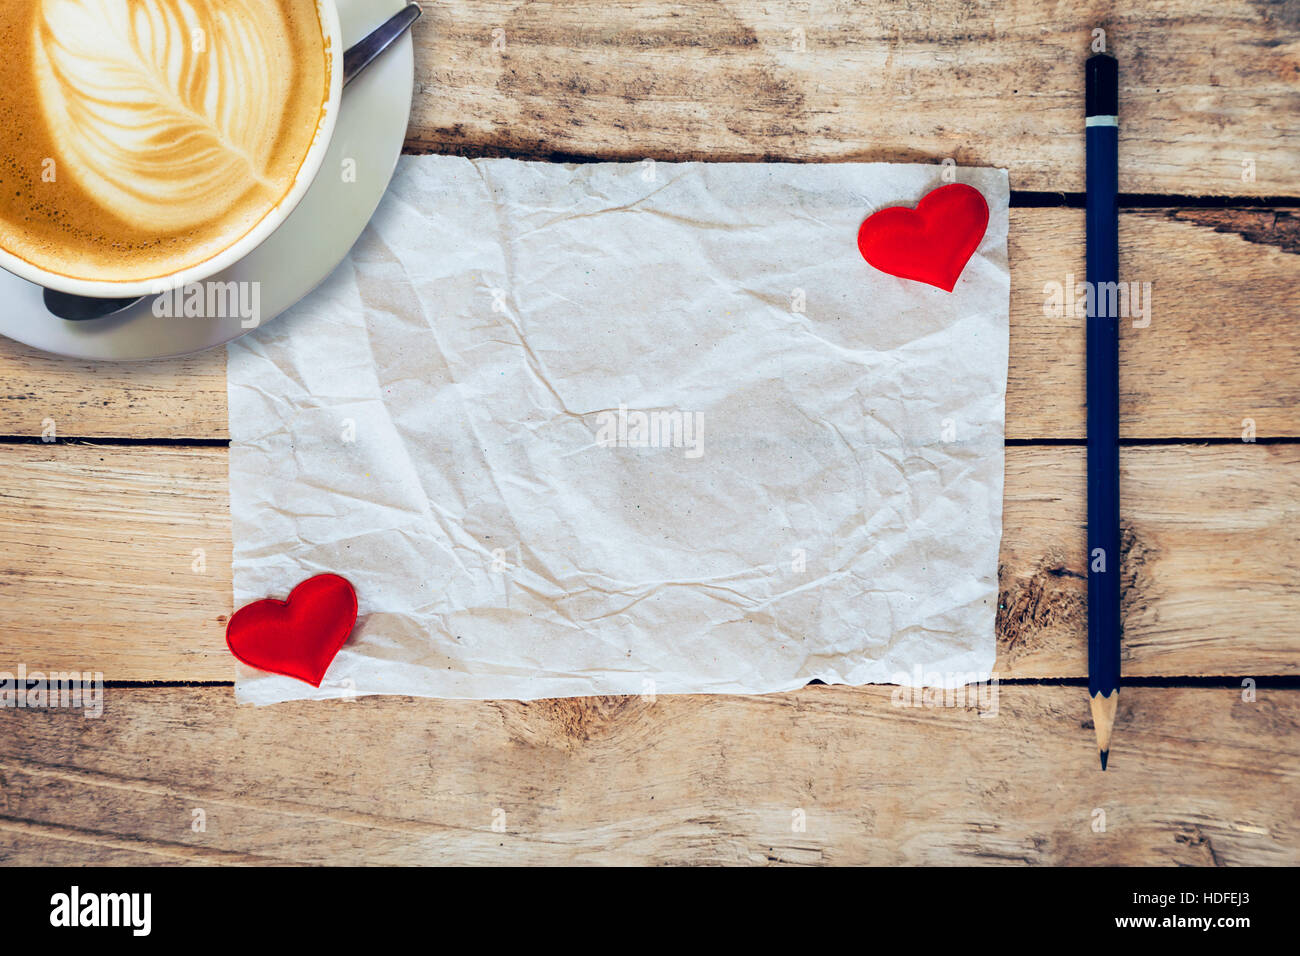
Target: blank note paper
631,428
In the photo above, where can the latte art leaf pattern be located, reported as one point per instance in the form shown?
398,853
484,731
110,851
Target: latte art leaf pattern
165,111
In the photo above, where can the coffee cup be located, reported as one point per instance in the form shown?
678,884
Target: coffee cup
154,143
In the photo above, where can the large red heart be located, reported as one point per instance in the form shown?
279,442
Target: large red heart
298,637
931,243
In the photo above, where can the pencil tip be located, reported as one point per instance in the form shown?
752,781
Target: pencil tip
1103,719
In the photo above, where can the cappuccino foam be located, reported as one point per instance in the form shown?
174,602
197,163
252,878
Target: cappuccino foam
142,137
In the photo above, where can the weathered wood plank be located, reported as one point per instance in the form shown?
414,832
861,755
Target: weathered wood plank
117,560
174,398
1211,562
1203,87
1198,777
1221,346
100,548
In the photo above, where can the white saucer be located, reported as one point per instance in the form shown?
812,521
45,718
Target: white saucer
296,258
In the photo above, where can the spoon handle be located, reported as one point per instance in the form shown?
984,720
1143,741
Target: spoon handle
358,56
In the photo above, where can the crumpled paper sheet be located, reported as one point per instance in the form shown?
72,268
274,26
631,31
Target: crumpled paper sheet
429,425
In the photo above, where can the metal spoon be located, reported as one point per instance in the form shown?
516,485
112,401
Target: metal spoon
80,308
358,56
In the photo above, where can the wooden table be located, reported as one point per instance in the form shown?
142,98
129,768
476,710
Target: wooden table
102,530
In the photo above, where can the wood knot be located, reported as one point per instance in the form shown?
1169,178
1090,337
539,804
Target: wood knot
1053,598
581,718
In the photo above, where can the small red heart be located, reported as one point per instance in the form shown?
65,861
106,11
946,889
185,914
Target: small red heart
931,243
298,637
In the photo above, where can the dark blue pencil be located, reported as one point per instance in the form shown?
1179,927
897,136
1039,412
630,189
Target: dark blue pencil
1102,221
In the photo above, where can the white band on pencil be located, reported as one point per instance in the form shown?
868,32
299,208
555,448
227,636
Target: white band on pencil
1102,121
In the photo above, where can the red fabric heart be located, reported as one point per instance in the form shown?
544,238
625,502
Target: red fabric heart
298,637
931,243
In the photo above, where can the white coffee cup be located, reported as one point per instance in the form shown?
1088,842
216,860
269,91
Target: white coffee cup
270,221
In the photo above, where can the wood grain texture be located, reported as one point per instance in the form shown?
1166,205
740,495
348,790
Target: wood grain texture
1203,87
100,549
171,399
117,559
1211,558
1222,345
1198,777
